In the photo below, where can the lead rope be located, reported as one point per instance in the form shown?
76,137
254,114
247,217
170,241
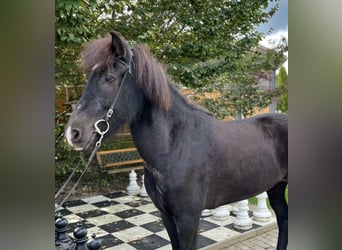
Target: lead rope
67,181
78,181
97,144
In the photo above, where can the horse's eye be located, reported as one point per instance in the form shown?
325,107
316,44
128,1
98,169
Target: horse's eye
110,78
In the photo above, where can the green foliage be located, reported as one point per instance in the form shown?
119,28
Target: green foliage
186,35
282,81
240,91
65,158
182,34
72,30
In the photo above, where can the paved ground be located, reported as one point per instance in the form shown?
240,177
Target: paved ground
267,240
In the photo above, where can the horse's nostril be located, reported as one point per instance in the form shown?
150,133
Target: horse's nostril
75,134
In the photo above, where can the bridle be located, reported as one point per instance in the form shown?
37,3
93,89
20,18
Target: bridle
111,108
109,113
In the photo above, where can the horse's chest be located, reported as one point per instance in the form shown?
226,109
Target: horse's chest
155,188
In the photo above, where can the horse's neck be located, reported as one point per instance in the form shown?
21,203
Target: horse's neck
153,132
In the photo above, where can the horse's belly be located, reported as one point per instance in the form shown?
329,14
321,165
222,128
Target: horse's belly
241,183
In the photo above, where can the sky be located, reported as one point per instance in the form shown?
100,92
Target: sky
279,23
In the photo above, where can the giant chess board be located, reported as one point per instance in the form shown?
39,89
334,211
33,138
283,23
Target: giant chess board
121,221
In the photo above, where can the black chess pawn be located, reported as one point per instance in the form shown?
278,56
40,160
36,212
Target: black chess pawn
57,215
61,230
80,234
93,243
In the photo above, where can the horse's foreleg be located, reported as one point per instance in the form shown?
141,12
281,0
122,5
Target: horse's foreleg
171,230
276,196
187,228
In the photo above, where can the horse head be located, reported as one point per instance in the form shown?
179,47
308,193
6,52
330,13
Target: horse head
109,99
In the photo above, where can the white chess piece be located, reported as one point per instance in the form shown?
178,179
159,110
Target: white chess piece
220,213
235,208
242,220
207,212
143,192
262,213
133,188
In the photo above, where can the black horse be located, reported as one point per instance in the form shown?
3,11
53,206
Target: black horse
193,161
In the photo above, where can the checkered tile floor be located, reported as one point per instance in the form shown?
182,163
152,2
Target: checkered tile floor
127,222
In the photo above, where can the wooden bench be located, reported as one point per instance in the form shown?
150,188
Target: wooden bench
119,160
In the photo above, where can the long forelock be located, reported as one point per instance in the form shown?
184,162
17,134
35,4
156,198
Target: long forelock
96,54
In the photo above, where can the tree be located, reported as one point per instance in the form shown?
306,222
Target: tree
282,81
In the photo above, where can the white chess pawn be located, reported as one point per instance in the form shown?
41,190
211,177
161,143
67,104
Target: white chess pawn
262,213
207,212
242,220
220,213
133,188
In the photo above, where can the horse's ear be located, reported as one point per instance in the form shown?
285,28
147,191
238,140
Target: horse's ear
117,44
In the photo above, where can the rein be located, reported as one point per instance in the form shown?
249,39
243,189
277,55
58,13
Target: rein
98,143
